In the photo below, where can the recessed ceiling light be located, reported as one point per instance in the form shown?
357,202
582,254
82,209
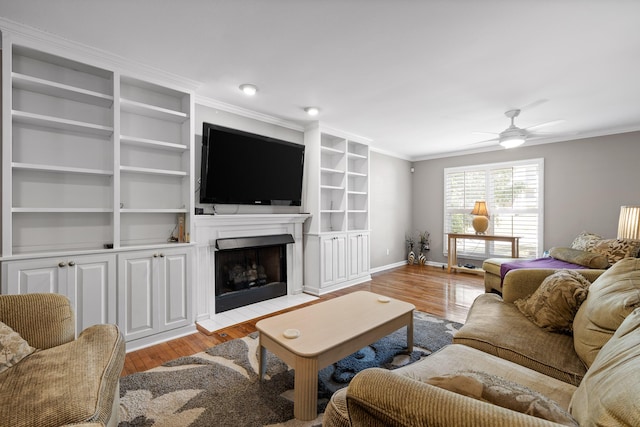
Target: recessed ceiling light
312,111
249,89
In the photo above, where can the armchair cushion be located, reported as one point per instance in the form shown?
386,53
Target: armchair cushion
613,296
555,303
608,394
502,392
12,347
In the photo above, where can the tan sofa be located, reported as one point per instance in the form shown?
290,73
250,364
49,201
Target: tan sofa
66,381
591,375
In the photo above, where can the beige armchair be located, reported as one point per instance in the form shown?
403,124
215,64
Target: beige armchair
67,380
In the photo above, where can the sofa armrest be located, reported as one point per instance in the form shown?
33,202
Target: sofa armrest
378,397
43,320
523,282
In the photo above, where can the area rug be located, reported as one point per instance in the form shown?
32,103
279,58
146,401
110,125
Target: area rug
220,387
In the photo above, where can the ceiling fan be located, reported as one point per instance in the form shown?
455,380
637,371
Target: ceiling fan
514,136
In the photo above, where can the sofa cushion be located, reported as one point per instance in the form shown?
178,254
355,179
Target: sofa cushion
612,296
502,392
67,384
616,249
500,329
12,347
576,256
555,303
608,394
585,240
456,358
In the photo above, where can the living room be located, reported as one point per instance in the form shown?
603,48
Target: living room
588,171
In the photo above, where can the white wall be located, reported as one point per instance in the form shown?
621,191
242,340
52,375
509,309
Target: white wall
391,214
586,182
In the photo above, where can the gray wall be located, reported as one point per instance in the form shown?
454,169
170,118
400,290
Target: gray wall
391,190
586,182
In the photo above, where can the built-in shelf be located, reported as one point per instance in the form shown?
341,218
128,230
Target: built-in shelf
328,170
145,142
150,171
150,211
357,156
358,193
59,90
331,150
331,211
60,169
153,111
61,210
331,187
357,174
58,123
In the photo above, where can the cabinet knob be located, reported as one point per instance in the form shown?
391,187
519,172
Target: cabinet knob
72,263
62,264
155,255
161,255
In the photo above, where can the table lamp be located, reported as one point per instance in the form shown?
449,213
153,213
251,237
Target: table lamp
481,220
629,223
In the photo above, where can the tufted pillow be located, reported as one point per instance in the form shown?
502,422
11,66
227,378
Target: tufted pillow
555,303
616,249
612,296
584,241
502,392
12,347
608,393
576,256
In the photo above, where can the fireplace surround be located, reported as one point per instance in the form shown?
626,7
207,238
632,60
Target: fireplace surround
208,230
250,270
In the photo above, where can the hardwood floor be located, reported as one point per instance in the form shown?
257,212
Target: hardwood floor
430,289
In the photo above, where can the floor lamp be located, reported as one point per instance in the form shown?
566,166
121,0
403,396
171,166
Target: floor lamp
629,223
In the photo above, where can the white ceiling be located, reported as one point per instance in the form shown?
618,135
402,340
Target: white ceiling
416,77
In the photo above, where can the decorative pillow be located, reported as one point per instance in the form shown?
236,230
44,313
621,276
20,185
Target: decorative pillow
555,303
580,257
12,347
612,297
616,249
502,392
608,393
584,241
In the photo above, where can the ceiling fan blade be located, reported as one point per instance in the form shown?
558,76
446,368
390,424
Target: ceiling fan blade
485,133
483,142
534,104
538,126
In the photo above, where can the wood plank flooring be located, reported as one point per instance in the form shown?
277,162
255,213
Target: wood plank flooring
430,289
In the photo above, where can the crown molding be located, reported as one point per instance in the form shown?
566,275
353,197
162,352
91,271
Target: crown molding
42,40
244,112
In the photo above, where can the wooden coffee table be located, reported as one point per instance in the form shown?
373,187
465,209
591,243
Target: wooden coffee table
329,331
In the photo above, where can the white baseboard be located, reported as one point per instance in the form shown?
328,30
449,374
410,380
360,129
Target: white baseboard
401,263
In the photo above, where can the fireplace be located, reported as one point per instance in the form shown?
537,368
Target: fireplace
249,270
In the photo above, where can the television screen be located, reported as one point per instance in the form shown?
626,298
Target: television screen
244,168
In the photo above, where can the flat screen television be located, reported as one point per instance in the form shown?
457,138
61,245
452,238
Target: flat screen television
248,169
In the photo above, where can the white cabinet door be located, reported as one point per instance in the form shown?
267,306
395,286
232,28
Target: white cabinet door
138,299
94,280
358,255
333,259
154,291
88,281
175,307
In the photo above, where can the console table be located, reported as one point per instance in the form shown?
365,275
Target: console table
452,258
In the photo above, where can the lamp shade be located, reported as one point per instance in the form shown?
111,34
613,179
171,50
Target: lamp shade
629,223
480,208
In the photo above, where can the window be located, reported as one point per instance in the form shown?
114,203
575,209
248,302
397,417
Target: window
514,195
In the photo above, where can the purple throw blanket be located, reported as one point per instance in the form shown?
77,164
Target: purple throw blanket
547,262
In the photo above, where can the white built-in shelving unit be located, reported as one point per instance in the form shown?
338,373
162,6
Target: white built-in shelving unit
337,196
97,172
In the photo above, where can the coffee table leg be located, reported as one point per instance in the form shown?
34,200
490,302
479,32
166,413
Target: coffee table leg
305,405
410,333
262,364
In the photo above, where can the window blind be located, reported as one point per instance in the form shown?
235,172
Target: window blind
514,195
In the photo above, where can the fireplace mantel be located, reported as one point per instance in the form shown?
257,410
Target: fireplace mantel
208,228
